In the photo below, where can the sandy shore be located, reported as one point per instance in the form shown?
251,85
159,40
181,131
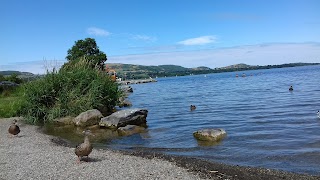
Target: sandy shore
33,155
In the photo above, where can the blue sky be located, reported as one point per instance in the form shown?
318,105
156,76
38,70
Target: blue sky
36,35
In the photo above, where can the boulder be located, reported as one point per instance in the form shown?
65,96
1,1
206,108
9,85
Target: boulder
124,102
130,129
68,120
127,89
125,117
88,118
210,134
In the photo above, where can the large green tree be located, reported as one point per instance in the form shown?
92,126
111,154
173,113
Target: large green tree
86,48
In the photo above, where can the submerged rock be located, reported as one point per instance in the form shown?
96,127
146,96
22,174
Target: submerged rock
125,117
127,89
210,134
123,102
88,118
130,129
68,120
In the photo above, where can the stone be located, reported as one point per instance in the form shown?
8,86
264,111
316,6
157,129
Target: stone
88,118
210,134
127,89
68,120
130,129
125,117
124,103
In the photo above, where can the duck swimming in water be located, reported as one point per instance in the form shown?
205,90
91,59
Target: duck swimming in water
14,128
192,107
318,113
291,88
85,148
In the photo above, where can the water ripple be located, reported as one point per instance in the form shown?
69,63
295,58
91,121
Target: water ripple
267,125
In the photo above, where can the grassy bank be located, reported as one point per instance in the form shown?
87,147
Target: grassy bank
61,93
10,103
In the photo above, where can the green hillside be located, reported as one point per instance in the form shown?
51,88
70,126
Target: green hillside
130,71
24,76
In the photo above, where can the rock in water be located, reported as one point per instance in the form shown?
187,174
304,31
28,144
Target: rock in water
88,118
210,134
125,117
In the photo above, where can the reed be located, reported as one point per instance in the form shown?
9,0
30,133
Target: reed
68,92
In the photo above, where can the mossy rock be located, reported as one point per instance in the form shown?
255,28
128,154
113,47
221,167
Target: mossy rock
210,134
68,120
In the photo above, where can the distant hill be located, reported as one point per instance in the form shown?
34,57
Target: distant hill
8,73
237,66
25,76
137,68
130,71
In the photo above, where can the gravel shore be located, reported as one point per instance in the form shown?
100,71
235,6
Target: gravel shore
34,155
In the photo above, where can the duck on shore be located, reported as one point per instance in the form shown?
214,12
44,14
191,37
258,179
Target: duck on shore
14,128
85,148
192,107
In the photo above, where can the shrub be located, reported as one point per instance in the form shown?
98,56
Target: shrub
69,92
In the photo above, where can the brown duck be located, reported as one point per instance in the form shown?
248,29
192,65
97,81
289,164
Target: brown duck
85,148
192,107
14,128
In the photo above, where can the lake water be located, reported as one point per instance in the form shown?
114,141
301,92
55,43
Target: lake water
266,124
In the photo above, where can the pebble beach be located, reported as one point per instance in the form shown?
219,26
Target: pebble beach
34,155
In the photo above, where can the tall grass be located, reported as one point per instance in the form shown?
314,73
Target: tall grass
69,92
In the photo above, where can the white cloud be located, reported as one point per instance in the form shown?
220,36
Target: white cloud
97,31
144,38
198,41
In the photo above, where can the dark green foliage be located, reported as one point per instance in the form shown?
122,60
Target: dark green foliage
14,78
2,78
171,68
7,90
68,93
8,84
86,48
